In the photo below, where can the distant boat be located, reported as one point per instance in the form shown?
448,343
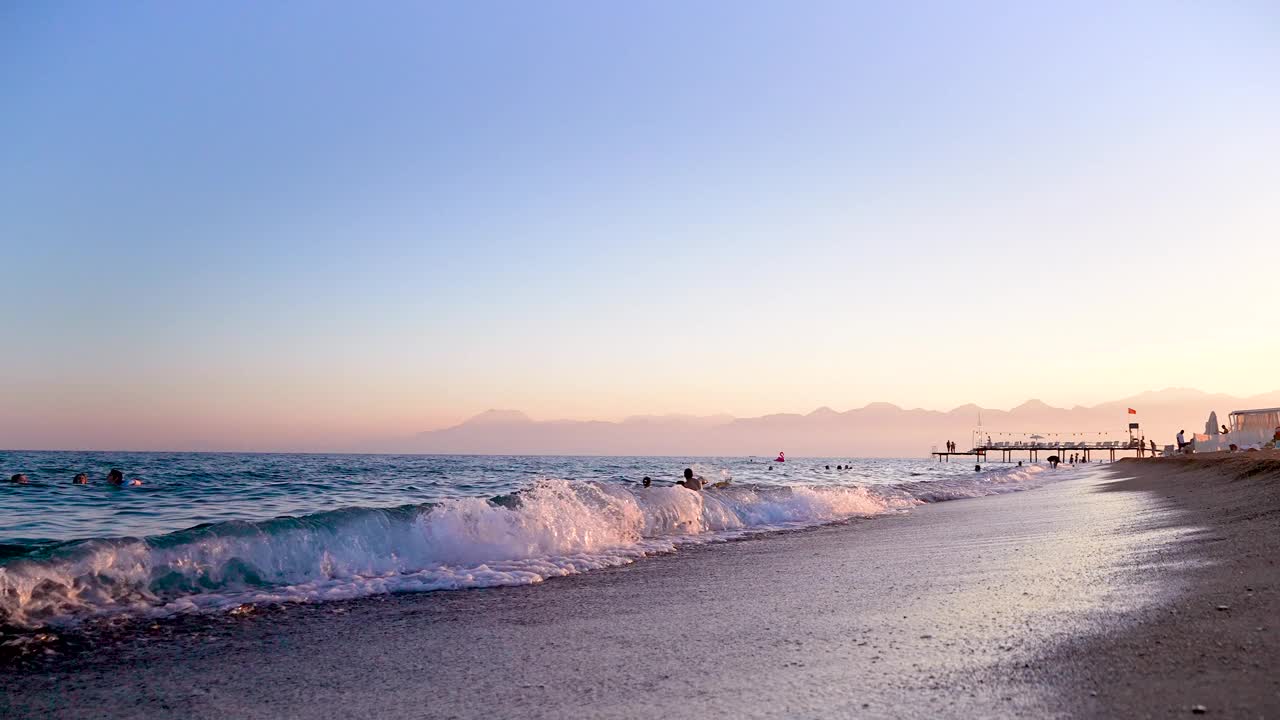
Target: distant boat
781,457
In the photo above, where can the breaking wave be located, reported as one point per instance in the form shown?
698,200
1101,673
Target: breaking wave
554,528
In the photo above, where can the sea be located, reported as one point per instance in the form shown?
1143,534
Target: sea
214,532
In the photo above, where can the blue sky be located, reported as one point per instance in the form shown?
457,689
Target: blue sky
297,223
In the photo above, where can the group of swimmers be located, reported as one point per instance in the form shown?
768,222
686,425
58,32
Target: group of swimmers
697,482
690,481
114,477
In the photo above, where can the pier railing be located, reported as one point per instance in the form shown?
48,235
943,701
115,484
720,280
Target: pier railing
1086,448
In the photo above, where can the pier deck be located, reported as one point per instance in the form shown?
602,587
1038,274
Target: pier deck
1006,452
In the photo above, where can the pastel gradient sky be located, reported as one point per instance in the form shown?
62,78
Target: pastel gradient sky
299,225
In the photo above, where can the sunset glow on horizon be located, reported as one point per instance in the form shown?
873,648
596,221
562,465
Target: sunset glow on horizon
301,228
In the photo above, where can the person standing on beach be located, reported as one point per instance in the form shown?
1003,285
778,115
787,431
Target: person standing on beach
1153,448
1182,439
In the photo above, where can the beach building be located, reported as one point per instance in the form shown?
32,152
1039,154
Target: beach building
1249,429
1255,426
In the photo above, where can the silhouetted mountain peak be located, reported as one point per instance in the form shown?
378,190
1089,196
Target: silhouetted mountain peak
881,407
1033,404
499,417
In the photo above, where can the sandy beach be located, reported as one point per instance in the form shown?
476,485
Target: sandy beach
1140,589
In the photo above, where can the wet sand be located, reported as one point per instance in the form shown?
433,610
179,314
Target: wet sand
1085,598
1216,644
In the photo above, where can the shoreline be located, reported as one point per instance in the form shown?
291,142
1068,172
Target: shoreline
1053,602
1217,644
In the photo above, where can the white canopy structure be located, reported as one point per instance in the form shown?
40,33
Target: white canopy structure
1262,423
1249,429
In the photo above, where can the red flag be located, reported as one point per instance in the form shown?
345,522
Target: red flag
1132,411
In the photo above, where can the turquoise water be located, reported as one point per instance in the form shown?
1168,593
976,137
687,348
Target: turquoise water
207,531
181,490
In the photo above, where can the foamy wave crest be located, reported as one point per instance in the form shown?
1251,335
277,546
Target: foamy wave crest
554,528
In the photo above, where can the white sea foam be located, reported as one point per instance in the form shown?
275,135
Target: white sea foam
554,528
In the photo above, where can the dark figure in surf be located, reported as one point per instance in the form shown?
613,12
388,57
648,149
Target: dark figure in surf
18,479
1053,461
646,481
691,482
115,477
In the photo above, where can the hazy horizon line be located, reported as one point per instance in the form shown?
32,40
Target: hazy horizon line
393,443
1028,401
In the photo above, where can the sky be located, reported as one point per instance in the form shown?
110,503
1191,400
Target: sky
297,225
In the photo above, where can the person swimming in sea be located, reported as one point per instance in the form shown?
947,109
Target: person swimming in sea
81,479
19,479
691,482
115,477
646,482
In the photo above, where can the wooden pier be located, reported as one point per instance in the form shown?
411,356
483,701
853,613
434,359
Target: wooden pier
1006,451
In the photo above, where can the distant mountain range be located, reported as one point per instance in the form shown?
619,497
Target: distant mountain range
877,430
